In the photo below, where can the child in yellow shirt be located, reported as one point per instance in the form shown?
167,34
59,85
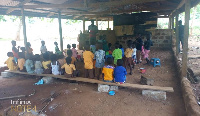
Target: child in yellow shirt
69,68
88,57
108,71
46,64
21,62
11,62
128,54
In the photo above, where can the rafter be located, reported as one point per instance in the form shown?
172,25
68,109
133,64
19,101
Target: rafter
12,9
97,5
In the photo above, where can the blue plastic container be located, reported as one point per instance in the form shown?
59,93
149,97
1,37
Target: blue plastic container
111,93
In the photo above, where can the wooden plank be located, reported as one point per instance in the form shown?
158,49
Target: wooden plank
81,79
185,41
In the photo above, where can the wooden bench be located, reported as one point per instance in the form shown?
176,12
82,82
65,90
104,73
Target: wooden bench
87,80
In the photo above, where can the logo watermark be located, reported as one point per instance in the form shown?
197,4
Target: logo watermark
22,106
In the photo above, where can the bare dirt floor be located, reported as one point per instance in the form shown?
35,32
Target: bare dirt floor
83,99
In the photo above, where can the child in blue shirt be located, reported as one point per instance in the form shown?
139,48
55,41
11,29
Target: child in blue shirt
120,72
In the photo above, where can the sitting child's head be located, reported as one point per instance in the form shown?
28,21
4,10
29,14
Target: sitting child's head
68,60
23,49
119,62
13,42
129,43
133,45
68,46
99,46
21,55
43,43
37,57
74,45
10,54
29,56
61,56
55,43
46,56
87,48
109,61
120,46
69,53
116,46
28,44
53,57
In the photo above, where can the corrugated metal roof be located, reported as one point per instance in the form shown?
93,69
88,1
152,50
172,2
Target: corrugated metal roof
87,8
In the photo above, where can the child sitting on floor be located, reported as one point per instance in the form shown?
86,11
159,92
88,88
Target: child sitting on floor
62,61
117,53
69,54
38,64
108,71
55,66
46,64
100,60
120,72
30,50
69,68
21,62
88,62
11,64
29,64
128,56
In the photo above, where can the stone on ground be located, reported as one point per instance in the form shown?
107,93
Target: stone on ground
6,74
156,95
47,80
106,88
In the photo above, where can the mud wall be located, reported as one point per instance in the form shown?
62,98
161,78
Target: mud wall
191,106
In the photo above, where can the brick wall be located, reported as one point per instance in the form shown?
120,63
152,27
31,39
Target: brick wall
162,38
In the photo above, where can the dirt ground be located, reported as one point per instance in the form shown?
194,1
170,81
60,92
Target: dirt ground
83,99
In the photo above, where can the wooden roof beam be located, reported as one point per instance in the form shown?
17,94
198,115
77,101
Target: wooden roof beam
21,4
101,5
178,7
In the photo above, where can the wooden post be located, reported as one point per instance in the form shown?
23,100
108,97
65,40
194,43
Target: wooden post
83,25
97,22
177,36
108,24
170,23
60,31
24,27
173,23
185,41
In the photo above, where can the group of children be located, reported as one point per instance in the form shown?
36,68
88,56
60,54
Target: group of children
112,65
46,63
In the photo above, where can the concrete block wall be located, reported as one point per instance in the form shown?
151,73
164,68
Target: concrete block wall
162,38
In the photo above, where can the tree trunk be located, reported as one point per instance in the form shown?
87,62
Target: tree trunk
18,31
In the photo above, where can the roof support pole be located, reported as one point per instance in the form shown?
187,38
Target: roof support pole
24,27
60,31
97,22
170,23
177,36
83,25
185,41
108,24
